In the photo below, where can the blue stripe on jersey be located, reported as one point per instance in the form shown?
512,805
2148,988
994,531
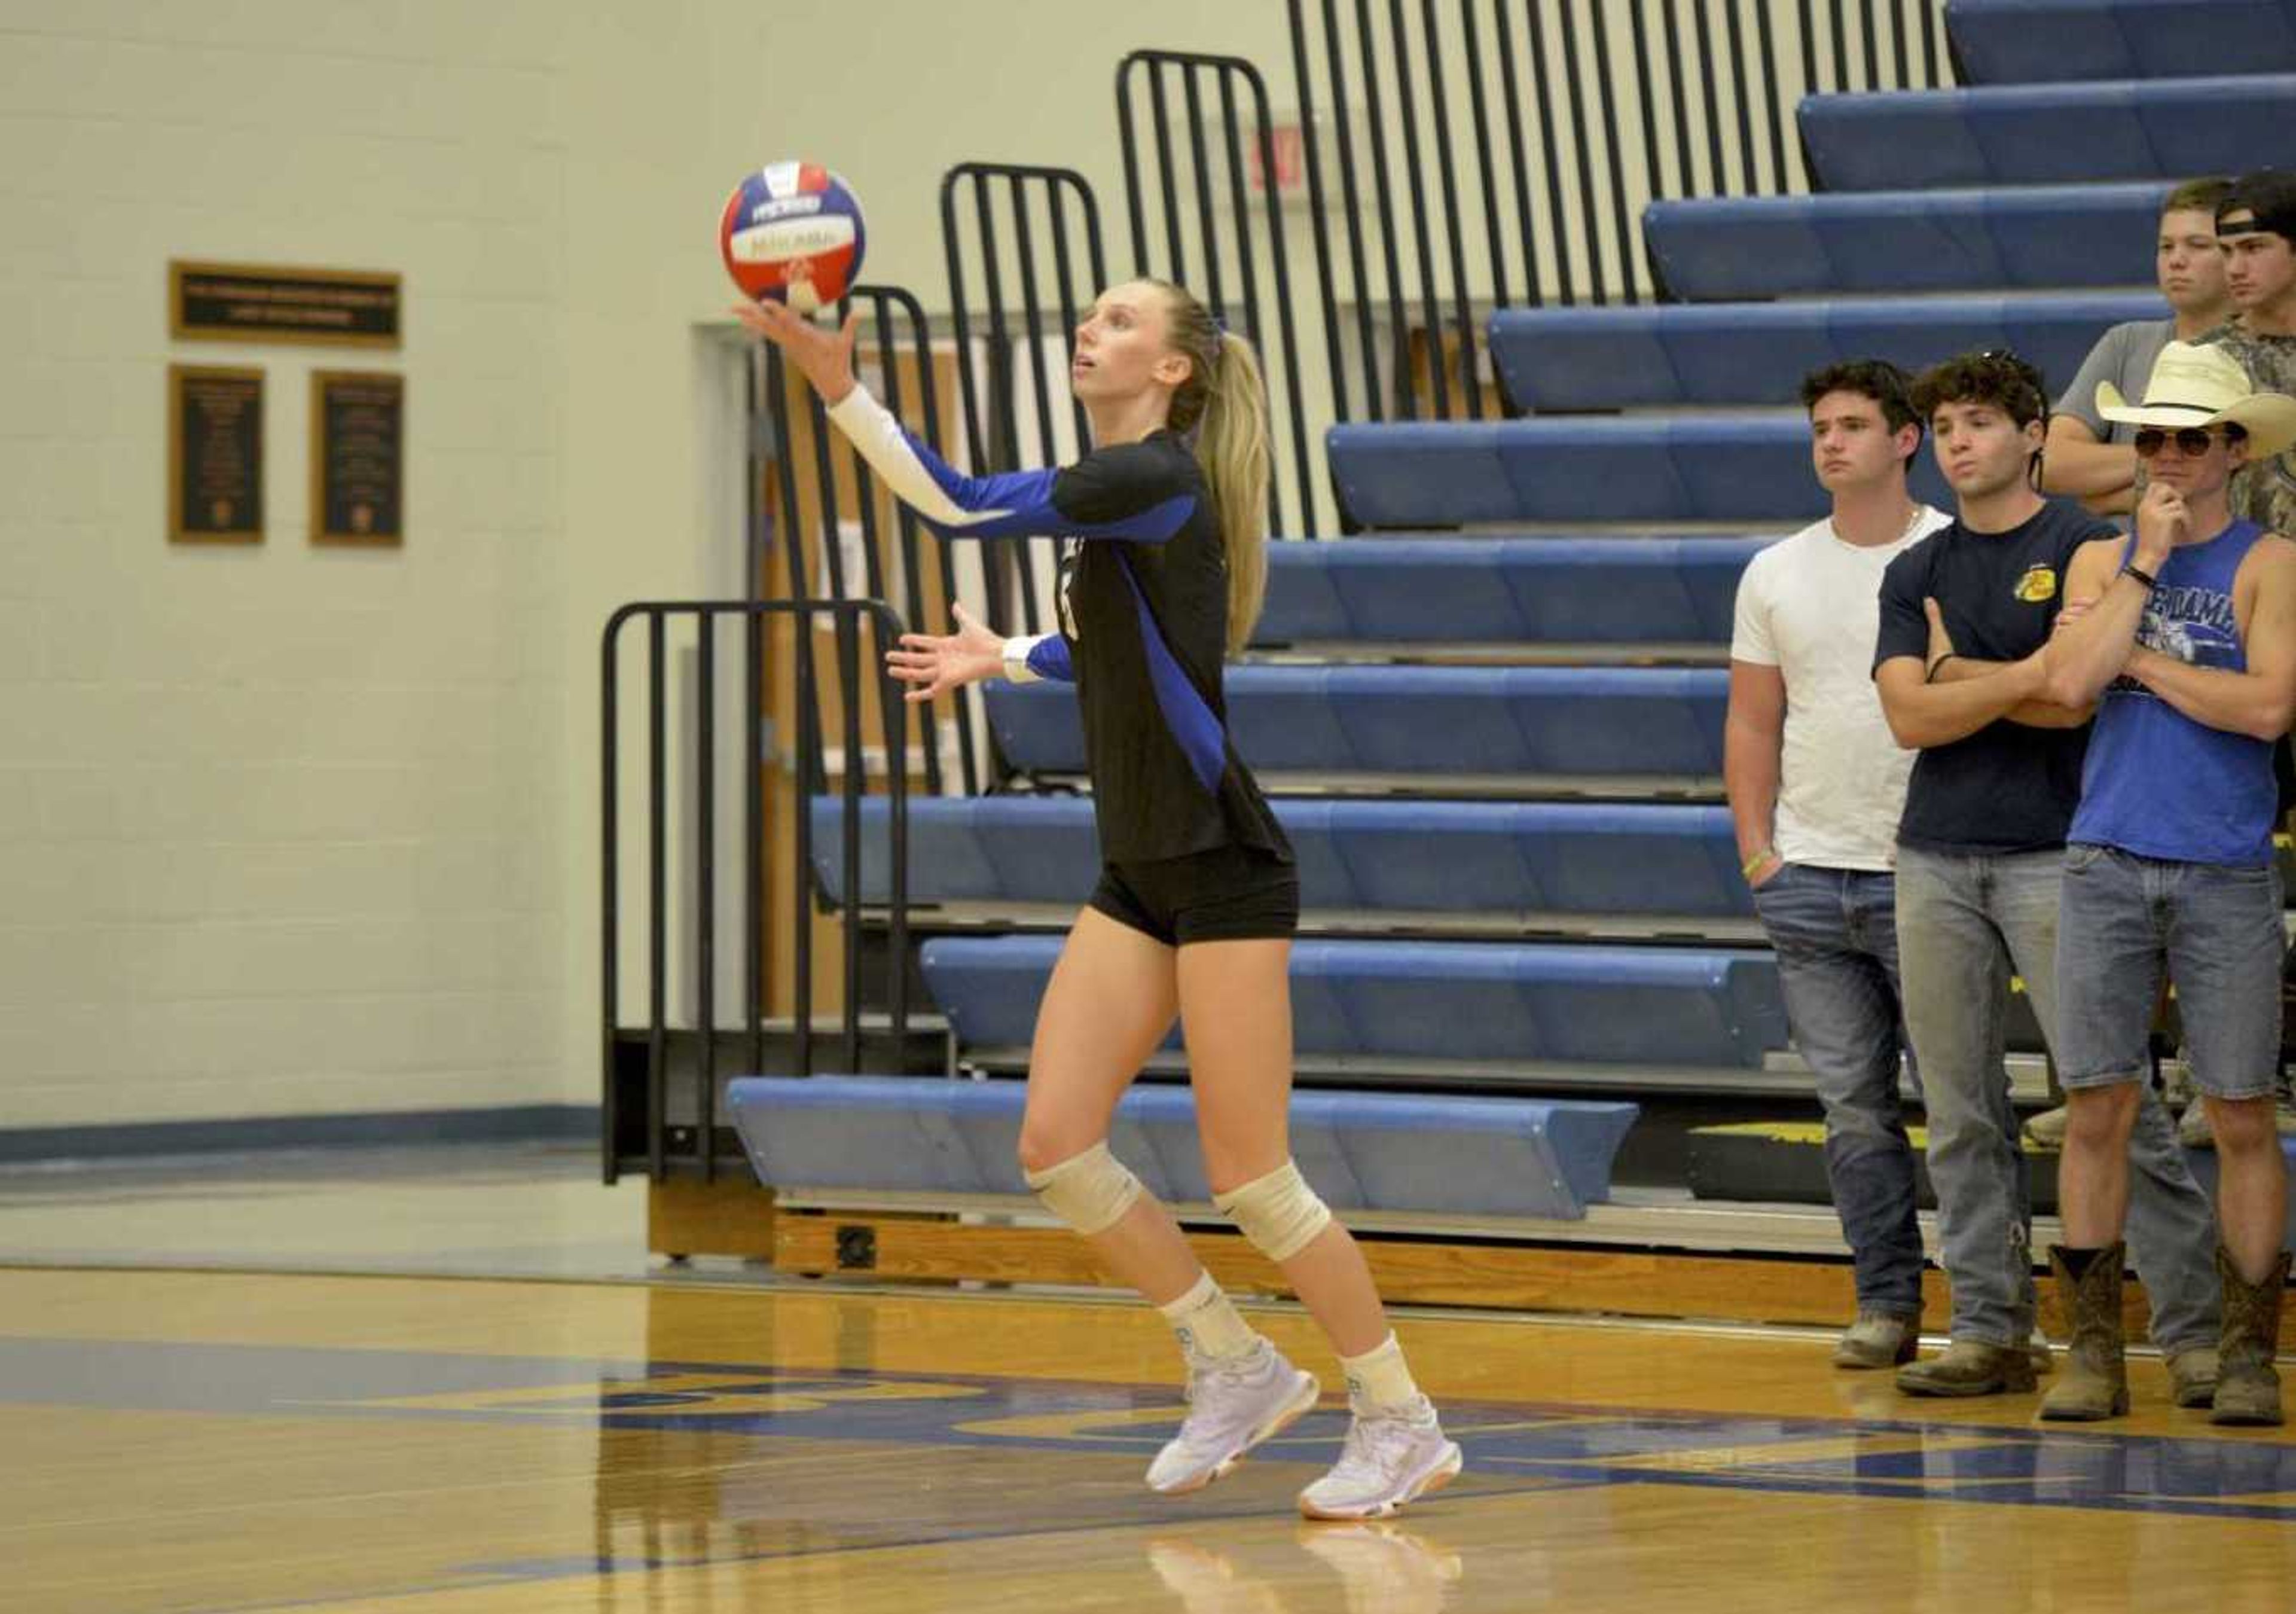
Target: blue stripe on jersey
1187,713
1023,500
1048,657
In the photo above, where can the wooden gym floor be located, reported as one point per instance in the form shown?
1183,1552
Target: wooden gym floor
449,1380
186,1440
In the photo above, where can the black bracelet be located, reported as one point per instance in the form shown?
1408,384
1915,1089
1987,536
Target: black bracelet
2142,576
1931,676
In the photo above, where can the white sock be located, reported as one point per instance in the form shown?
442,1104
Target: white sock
1207,1322
1379,1380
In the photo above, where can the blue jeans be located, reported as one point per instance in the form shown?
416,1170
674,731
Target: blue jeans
1963,922
2215,930
1835,931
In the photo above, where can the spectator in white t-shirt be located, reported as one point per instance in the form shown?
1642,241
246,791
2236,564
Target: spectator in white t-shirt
1816,783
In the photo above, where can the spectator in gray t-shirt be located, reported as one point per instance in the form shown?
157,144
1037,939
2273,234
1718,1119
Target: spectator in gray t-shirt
2087,455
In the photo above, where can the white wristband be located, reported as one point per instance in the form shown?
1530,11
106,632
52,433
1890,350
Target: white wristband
1017,669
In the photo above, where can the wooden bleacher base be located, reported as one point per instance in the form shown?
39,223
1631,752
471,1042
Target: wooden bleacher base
733,1216
1418,1272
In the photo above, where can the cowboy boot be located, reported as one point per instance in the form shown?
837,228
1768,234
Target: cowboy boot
2094,1383
2193,1375
2248,1386
1970,1367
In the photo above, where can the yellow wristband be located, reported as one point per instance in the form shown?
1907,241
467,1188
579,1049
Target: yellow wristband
1748,867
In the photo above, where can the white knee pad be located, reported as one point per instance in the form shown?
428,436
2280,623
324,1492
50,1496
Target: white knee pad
1279,1213
1089,1191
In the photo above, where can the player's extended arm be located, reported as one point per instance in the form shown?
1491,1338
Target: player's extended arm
1012,504
1009,504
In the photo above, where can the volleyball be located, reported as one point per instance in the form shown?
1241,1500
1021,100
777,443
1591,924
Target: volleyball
793,231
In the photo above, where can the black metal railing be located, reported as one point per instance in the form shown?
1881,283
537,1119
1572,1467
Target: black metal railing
696,920
1198,182
895,336
1478,154
1011,231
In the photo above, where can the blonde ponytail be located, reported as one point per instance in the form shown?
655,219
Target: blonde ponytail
1225,403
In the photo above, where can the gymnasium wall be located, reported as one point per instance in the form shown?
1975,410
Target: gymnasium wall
278,824
289,830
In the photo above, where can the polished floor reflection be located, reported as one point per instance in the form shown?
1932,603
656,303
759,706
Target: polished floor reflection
182,1441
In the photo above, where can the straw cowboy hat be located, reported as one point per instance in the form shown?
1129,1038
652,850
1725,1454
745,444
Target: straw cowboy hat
2205,386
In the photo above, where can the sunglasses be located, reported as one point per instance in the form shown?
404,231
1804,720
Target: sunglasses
2025,369
2191,441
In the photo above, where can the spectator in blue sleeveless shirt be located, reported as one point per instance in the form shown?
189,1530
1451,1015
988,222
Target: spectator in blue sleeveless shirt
2187,640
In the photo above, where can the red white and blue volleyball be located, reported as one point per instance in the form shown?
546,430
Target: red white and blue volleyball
793,231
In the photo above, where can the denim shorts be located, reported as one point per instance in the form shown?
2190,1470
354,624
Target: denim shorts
2214,928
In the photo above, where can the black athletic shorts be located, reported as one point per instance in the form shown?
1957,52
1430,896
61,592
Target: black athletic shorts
1229,893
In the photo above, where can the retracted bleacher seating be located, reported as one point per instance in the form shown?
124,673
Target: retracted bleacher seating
1466,931
1380,1151
2049,41
1673,354
2048,133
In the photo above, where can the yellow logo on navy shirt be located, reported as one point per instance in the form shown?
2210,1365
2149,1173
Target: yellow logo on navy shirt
2039,586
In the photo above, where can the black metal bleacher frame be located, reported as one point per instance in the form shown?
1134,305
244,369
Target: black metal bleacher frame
1587,222
992,426
676,1071
888,307
1222,246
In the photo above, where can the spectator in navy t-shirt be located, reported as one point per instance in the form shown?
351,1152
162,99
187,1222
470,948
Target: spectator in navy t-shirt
1965,614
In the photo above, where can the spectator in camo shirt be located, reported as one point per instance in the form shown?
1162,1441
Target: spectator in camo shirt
2256,231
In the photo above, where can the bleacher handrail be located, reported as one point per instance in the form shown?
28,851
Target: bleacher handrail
848,615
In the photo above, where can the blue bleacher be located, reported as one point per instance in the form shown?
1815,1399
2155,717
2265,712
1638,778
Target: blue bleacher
1555,722
2048,133
1754,353
1976,195
1511,859
1430,590
1716,248
1361,1151
1481,1002
1650,470
2050,41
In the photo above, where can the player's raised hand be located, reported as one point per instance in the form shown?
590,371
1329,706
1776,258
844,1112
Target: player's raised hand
823,357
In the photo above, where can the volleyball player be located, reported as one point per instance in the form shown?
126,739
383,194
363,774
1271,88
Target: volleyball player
1198,898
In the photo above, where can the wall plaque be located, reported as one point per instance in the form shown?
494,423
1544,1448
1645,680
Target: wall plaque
215,455
252,303
359,456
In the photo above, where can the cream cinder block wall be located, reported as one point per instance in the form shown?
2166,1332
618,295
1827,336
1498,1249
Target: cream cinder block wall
279,824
